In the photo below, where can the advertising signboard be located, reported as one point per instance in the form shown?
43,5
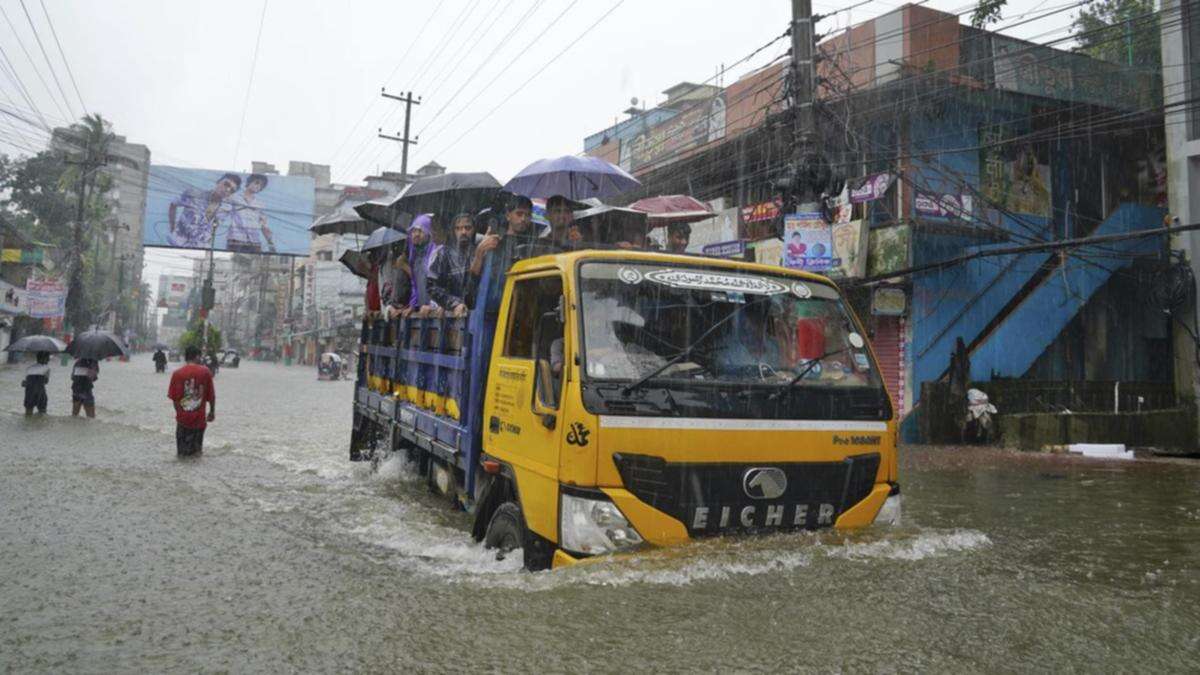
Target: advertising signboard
849,249
703,122
808,242
230,211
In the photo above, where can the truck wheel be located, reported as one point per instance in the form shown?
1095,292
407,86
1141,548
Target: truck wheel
506,530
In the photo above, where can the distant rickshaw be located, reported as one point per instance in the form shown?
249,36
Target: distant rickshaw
230,358
329,367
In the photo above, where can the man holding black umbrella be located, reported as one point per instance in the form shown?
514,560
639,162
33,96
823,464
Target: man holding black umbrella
83,378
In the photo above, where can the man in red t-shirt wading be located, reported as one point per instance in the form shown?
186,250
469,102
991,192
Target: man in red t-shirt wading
191,386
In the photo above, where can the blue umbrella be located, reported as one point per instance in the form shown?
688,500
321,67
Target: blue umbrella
572,177
383,236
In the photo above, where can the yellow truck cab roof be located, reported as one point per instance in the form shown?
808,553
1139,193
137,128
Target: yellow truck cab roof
567,261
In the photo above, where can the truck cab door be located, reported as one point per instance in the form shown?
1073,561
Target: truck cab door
520,418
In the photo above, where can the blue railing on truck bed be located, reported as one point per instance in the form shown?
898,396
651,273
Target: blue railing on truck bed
424,378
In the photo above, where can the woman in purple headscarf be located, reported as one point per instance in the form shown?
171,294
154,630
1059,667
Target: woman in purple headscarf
421,254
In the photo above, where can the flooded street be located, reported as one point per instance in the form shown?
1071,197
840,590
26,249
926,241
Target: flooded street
274,552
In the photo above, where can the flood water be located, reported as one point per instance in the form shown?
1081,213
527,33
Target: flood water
273,552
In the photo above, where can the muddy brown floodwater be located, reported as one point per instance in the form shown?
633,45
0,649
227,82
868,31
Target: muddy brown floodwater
274,552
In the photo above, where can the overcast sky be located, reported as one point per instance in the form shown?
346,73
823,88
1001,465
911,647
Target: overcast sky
175,75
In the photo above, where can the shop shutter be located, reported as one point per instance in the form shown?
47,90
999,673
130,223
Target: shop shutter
889,349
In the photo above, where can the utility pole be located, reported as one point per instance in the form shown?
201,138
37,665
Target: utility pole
75,304
408,101
808,174
264,268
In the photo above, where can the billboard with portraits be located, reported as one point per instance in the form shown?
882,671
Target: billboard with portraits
229,211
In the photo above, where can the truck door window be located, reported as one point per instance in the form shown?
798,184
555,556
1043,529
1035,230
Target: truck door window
534,330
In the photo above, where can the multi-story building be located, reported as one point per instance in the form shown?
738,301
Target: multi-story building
175,297
942,140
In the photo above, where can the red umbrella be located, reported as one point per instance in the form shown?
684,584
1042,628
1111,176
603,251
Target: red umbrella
667,209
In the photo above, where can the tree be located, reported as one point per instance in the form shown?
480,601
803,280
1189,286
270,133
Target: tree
1121,31
192,336
92,140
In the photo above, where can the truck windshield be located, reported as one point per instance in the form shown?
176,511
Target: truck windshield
689,329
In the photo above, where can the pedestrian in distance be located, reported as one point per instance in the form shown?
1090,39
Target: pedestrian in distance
37,376
160,361
83,378
191,387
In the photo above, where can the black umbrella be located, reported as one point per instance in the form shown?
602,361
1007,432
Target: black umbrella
448,194
345,220
383,236
97,344
384,211
356,262
37,343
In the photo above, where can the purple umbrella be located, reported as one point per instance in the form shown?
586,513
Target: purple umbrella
572,177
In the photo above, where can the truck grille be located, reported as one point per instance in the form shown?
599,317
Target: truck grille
712,498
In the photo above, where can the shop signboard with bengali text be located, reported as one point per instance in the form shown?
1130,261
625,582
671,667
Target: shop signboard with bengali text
943,205
725,249
45,297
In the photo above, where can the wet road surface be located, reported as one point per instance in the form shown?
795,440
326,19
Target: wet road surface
273,552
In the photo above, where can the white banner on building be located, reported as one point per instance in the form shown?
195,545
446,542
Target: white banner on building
46,297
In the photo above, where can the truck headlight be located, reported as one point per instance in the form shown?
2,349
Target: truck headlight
595,526
889,513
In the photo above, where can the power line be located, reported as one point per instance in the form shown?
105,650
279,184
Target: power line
32,63
501,44
373,99
11,73
250,83
50,22
535,74
49,65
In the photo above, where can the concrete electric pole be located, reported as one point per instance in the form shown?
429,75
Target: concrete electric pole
408,101
807,173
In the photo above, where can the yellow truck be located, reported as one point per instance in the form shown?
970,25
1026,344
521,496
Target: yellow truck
617,400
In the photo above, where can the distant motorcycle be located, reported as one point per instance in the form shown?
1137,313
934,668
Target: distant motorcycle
979,423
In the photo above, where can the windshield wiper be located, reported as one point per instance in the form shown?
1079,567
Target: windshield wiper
787,389
687,351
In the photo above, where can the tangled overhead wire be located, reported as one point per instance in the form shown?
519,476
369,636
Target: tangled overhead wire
1171,290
